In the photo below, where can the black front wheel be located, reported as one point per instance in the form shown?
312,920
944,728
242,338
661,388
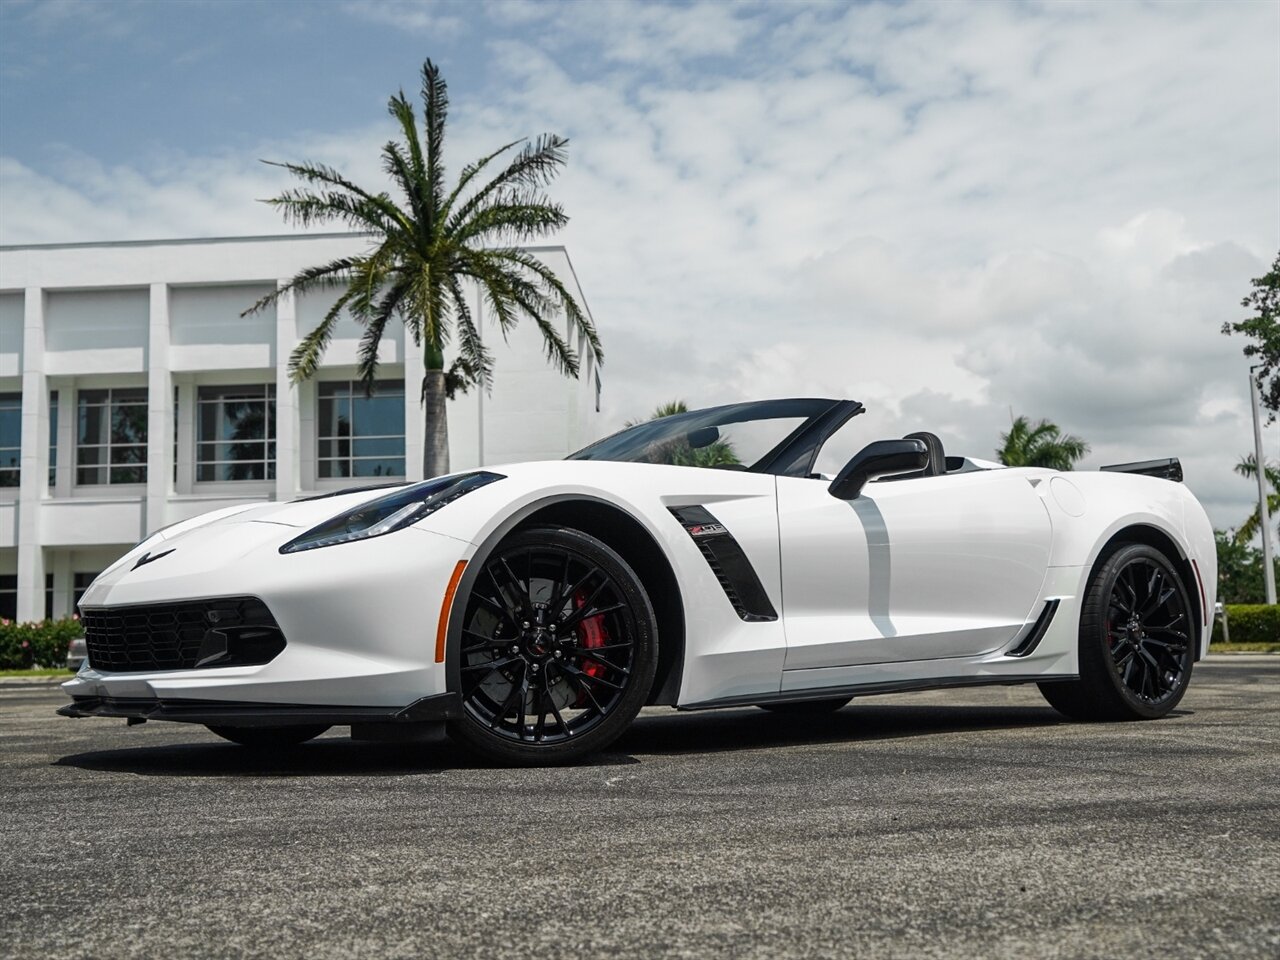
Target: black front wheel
270,738
1137,630
558,652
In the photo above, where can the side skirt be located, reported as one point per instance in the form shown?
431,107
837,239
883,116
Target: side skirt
871,689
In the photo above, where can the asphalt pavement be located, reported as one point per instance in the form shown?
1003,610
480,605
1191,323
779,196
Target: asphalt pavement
964,823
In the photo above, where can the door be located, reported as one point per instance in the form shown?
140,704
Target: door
917,569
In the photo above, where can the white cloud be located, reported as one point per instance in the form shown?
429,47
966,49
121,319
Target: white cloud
949,211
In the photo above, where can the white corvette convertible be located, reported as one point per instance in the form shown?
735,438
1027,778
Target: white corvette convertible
698,561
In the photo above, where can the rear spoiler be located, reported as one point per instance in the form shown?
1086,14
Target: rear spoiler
1167,469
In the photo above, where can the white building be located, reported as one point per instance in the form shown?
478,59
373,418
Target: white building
134,395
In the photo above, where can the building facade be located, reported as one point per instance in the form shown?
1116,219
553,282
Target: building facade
133,394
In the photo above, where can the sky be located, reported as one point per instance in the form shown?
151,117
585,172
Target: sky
953,212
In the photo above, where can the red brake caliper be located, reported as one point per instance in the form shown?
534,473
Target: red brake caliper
591,633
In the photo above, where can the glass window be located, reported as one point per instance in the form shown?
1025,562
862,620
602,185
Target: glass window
236,433
9,596
111,438
10,438
79,585
361,436
53,436
48,596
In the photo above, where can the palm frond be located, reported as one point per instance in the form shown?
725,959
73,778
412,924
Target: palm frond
578,320
306,279
534,166
401,172
435,101
306,356
320,173
469,173
367,355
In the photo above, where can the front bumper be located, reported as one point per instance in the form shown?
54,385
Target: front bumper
358,620
231,713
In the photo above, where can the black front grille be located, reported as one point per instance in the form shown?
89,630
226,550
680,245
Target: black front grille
230,631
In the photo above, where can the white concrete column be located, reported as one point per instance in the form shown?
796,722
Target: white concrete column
66,439
60,561
159,414
288,425
33,459
414,426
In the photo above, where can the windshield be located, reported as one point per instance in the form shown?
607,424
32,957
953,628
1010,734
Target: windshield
739,436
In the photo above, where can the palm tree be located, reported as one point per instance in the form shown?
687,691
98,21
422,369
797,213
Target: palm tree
1248,467
1043,445
678,452
424,244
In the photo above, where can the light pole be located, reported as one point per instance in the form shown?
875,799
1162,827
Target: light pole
1268,568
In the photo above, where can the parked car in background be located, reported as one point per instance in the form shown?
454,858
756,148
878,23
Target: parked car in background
76,653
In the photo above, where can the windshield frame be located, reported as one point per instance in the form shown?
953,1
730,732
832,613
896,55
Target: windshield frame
793,456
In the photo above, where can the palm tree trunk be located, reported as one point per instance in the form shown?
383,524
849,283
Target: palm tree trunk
435,440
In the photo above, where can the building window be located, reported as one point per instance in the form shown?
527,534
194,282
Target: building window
48,596
111,445
236,433
10,439
79,585
361,436
53,436
8,596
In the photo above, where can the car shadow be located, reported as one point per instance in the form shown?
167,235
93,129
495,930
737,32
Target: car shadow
751,728
652,734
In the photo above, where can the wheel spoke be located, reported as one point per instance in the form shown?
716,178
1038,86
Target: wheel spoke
558,604
582,674
1167,644
490,665
586,651
500,609
576,678
589,654
501,712
585,613
559,719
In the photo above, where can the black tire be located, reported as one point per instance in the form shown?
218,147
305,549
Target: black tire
270,738
809,708
533,691
1137,632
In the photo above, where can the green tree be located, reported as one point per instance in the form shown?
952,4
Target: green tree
1263,327
424,244
1240,577
1248,467
679,452
1044,445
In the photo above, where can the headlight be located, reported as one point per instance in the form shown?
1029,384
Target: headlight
390,513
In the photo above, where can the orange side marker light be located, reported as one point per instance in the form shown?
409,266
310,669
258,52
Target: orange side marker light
442,628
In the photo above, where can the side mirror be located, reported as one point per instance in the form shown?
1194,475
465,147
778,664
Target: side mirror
878,459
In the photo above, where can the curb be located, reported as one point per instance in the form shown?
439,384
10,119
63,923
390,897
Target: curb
28,683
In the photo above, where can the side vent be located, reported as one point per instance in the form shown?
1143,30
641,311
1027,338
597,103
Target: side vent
1032,639
727,561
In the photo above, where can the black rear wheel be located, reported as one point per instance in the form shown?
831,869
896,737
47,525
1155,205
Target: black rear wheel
269,738
558,652
1137,631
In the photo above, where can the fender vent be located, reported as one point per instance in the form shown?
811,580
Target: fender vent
1031,640
725,557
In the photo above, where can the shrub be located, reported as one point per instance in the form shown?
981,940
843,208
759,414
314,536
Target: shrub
1250,623
36,643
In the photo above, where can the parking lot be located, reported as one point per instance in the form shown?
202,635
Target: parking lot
961,823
